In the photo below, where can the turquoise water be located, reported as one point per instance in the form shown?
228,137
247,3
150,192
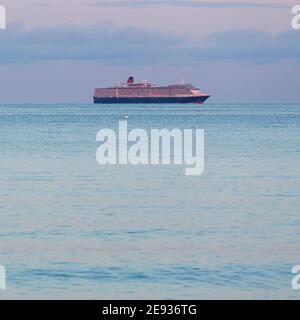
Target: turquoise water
72,229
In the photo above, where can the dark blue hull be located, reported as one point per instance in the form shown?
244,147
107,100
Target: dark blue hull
143,100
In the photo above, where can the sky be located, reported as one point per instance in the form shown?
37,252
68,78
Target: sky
58,51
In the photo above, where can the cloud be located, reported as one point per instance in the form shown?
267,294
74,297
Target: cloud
185,3
101,42
247,45
132,46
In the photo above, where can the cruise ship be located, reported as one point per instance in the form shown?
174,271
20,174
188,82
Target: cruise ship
145,92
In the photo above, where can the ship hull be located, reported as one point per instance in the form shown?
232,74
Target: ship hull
149,100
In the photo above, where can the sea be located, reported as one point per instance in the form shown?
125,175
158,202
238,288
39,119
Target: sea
72,229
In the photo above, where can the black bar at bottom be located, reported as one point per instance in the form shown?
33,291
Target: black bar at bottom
152,309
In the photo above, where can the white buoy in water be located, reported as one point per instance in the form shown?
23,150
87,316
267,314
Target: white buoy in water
125,117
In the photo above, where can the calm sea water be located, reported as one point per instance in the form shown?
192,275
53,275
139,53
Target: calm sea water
72,229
